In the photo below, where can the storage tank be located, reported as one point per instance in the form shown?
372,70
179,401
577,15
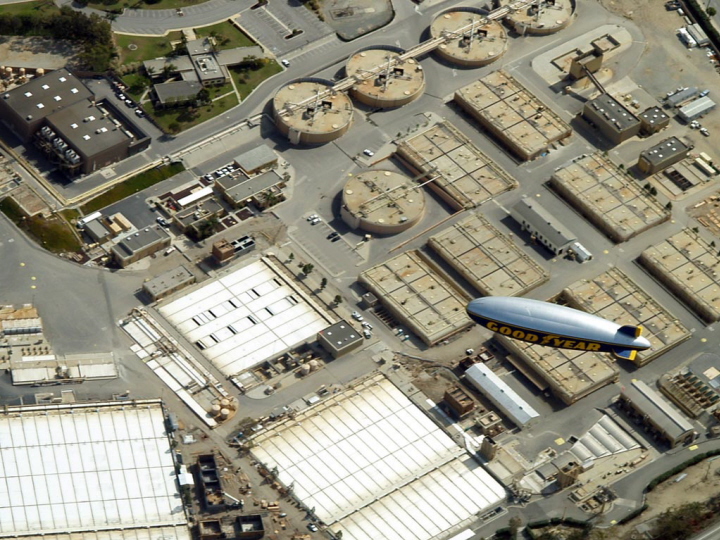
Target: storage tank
224,403
224,413
215,409
541,17
382,202
304,369
307,111
314,364
39,72
392,82
473,39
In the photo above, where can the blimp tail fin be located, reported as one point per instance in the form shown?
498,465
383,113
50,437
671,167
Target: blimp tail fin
629,330
625,354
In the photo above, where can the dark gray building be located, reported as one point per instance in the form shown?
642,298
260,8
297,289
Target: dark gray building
678,98
176,93
140,244
168,283
662,155
611,118
340,338
542,225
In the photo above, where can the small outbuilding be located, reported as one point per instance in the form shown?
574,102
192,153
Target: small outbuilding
542,225
340,338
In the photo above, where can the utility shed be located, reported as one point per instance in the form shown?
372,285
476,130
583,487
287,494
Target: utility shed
696,109
698,34
542,225
649,408
259,158
501,395
678,98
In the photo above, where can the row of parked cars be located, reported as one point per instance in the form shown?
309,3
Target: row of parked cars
119,88
227,170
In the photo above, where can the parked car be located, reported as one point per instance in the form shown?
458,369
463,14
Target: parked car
315,221
169,250
335,239
367,325
285,63
332,235
355,315
367,333
368,153
162,221
704,93
312,217
705,132
312,527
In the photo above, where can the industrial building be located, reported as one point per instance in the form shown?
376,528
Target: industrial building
340,338
660,156
246,315
462,175
224,251
614,296
517,118
239,190
395,83
539,18
542,226
418,296
59,114
660,419
368,462
585,61
382,202
320,121
210,483
490,261
485,43
139,245
612,118
501,395
257,160
608,197
683,96
90,470
653,120
169,282
696,109
458,401
569,375
688,267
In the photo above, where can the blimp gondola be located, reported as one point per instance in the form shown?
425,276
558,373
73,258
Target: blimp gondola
552,325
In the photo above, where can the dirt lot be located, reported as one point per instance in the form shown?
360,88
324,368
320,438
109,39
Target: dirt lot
701,483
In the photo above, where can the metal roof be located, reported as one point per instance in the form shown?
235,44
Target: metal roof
177,91
543,222
257,158
658,409
697,107
683,95
247,187
492,386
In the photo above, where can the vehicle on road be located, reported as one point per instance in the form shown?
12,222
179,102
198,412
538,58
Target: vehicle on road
367,325
552,325
169,250
367,333
162,221
355,315
368,153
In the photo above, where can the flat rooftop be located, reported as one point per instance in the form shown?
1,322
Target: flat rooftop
689,266
504,105
488,259
240,188
139,240
672,146
657,408
168,280
86,468
373,465
461,169
615,114
246,316
614,296
608,197
418,296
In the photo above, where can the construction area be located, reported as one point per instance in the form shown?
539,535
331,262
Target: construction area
245,316
418,296
608,197
462,175
489,260
382,202
707,213
518,119
370,463
614,296
486,42
689,267
86,468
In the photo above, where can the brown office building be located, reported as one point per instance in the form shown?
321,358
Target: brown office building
662,155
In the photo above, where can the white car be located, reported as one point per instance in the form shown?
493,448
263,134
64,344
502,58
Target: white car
312,217
169,250
368,153
355,315
312,527
367,325
315,221
367,333
705,132
285,63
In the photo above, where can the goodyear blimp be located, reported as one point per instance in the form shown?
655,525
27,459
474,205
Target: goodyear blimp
543,323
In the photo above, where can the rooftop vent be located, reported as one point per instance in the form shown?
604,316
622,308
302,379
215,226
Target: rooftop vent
74,90
57,98
62,79
28,94
40,106
45,87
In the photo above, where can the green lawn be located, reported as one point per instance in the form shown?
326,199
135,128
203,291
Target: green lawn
131,186
185,118
113,5
136,83
147,47
69,214
216,91
24,8
247,80
228,35
54,233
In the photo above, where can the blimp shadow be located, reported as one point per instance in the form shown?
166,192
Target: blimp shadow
524,236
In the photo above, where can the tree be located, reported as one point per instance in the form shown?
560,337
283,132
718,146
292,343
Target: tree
306,269
679,523
168,69
174,127
711,11
323,283
337,300
291,256
203,95
668,206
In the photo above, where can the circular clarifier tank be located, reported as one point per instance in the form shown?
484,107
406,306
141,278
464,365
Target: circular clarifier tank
473,39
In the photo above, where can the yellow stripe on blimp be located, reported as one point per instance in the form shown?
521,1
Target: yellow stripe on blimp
550,340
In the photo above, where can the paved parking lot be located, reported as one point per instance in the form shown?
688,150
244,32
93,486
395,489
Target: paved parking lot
333,256
273,23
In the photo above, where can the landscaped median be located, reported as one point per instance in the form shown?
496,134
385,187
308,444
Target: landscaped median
131,186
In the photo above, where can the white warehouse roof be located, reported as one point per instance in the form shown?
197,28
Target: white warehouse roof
374,464
245,317
504,397
89,469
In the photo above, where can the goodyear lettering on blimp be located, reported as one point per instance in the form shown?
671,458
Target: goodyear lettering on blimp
551,340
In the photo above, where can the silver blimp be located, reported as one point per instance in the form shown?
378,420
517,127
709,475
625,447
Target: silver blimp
551,325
